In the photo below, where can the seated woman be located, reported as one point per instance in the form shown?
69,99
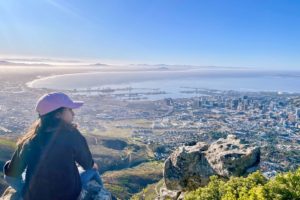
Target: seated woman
48,153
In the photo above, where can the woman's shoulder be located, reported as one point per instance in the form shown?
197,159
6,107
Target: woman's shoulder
71,130
67,127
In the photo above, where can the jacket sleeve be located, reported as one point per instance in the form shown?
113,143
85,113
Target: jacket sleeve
16,166
82,153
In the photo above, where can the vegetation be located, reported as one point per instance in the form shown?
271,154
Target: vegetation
150,192
7,147
111,129
117,153
285,186
124,183
214,135
7,143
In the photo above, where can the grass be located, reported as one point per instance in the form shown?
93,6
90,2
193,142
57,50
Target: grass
150,192
7,143
142,122
7,147
132,180
112,131
110,158
130,169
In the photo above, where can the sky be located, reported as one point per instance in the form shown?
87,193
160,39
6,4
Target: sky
232,33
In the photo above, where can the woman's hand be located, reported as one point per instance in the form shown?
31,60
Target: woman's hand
95,166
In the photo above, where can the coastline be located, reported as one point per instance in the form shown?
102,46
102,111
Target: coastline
236,80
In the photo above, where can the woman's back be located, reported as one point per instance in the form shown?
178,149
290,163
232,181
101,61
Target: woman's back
51,169
48,152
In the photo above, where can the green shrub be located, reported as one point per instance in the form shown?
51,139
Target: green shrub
285,186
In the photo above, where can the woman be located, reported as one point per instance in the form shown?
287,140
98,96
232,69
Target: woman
49,152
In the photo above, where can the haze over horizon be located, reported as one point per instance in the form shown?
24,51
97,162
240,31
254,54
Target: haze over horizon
250,34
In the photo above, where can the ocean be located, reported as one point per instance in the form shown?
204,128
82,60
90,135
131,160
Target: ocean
157,84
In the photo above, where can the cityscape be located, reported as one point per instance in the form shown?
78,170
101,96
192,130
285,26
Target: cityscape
183,100
270,120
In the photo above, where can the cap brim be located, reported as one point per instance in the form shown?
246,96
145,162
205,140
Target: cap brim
76,104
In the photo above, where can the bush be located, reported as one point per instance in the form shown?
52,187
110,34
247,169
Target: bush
285,186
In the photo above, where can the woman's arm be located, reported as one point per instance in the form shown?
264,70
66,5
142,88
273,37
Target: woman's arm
82,152
16,166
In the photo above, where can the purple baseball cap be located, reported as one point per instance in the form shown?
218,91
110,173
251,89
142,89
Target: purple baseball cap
52,101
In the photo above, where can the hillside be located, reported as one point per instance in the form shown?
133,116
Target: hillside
7,147
121,161
117,153
125,183
215,171
284,186
150,192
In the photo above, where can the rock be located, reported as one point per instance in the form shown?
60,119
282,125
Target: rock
190,167
94,192
165,194
229,157
10,194
187,167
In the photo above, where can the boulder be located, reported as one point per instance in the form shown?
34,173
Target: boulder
165,194
10,194
190,167
94,192
187,167
230,157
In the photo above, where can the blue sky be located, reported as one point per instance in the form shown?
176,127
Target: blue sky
237,33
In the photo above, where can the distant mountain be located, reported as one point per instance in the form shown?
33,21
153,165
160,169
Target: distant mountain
167,66
163,68
100,65
7,63
155,65
2,62
40,60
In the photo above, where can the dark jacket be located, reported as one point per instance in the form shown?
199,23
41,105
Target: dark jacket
50,161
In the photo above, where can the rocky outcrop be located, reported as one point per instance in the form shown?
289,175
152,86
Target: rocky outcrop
10,194
190,167
231,157
164,193
94,192
187,167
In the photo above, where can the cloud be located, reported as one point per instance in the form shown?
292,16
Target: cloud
67,10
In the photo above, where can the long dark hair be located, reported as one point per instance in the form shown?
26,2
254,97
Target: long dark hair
44,122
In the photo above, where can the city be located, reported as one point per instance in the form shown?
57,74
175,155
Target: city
269,119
